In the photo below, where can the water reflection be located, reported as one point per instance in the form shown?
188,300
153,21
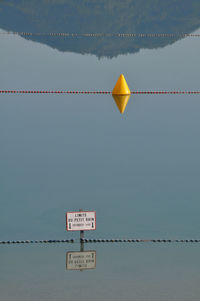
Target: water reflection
125,272
113,17
81,260
121,102
85,260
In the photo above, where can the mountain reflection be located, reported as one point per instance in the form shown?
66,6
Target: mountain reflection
105,16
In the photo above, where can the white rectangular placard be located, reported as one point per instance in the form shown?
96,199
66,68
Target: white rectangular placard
81,260
81,221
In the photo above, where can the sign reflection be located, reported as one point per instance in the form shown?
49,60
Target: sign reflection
81,260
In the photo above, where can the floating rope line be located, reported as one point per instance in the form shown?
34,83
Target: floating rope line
165,92
99,35
36,241
141,240
92,92
52,92
101,241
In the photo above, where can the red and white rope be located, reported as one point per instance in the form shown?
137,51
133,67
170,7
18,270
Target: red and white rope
90,92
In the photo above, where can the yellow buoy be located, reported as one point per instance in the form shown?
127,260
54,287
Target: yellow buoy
121,87
121,102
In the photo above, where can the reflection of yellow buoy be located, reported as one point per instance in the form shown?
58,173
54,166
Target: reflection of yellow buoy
121,87
121,102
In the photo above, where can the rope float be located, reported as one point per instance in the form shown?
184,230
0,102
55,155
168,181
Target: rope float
141,240
36,241
100,241
99,35
51,92
121,93
92,92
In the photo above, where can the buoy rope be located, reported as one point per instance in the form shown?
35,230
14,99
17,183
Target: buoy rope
165,92
51,92
100,241
36,241
91,92
96,35
142,240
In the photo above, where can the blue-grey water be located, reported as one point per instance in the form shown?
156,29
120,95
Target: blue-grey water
140,171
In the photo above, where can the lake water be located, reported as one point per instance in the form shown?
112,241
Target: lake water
139,170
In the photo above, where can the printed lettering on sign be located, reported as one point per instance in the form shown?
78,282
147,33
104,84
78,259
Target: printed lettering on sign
81,221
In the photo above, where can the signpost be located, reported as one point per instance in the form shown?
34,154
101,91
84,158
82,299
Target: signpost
81,260
81,221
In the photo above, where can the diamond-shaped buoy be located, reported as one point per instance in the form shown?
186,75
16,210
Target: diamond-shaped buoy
121,87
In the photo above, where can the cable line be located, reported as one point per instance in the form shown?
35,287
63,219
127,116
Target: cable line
93,92
54,241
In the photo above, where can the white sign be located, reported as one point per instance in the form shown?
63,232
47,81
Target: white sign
81,260
81,221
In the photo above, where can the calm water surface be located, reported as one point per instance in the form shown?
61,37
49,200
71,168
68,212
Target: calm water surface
140,171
